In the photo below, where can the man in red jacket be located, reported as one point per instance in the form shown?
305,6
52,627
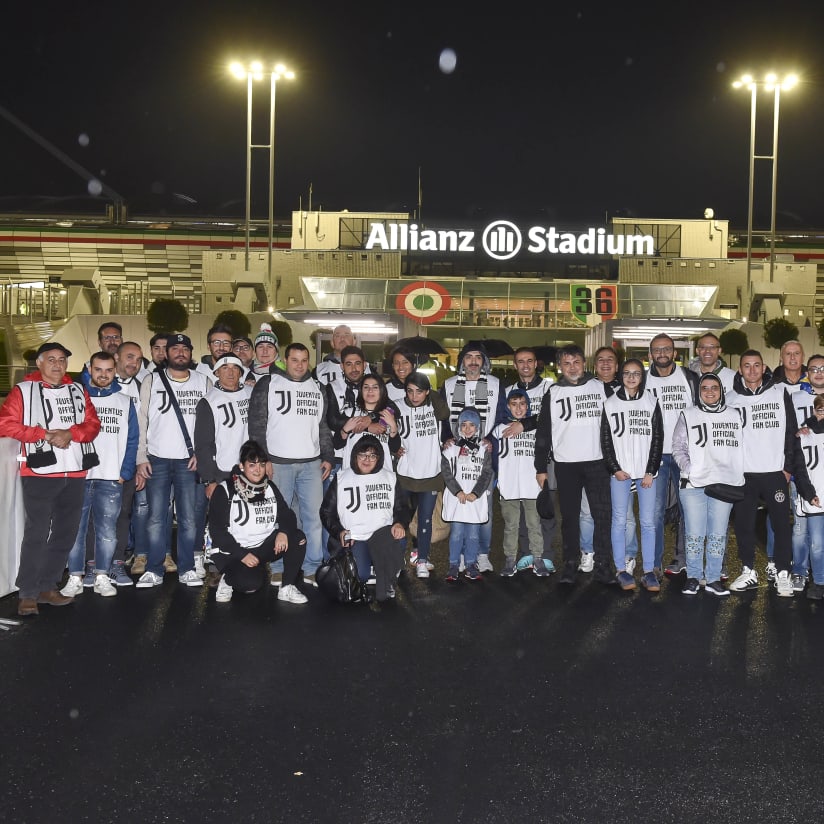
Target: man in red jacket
54,419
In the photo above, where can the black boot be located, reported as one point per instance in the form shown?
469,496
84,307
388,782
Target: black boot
603,573
569,574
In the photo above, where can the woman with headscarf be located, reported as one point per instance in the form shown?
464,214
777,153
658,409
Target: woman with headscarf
632,440
708,449
363,510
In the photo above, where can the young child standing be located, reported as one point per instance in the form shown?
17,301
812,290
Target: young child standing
518,488
466,466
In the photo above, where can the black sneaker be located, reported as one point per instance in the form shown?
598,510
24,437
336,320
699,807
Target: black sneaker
569,575
691,587
675,568
815,592
716,588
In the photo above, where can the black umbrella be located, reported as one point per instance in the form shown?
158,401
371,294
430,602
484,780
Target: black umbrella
420,345
546,354
495,347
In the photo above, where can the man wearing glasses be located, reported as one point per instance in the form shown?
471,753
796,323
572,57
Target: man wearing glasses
676,388
708,360
219,341
109,337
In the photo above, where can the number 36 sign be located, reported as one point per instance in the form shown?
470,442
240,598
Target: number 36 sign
592,303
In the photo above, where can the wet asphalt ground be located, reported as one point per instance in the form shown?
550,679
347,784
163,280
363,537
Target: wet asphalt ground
504,700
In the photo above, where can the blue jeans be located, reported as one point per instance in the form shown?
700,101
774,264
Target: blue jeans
464,539
705,518
801,539
360,550
302,489
621,504
815,530
667,473
101,500
587,527
324,534
168,474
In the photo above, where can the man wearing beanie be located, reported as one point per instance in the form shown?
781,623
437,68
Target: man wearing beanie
266,350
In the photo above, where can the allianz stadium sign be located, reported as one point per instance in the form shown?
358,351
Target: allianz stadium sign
503,240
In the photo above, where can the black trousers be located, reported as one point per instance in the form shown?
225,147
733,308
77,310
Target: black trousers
593,477
52,514
772,488
251,579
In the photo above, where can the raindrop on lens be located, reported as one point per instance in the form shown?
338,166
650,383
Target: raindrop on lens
83,139
95,187
447,61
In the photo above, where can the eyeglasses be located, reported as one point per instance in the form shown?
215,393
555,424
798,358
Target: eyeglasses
221,344
242,347
662,350
816,370
369,457
637,375
111,337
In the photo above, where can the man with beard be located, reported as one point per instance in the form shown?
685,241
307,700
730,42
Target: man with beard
166,460
676,388
475,386
569,433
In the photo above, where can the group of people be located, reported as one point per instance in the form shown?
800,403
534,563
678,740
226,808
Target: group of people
287,465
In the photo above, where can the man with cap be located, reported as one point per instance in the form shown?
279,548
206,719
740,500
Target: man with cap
55,422
476,386
166,459
266,350
221,423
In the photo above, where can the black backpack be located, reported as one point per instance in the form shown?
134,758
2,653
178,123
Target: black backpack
338,578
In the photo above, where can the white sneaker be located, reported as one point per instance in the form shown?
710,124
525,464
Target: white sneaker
190,578
291,594
484,564
629,565
587,562
103,585
74,586
784,585
149,579
771,570
224,591
422,568
748,579
200,568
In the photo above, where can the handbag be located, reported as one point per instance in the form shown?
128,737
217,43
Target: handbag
725,492
338,578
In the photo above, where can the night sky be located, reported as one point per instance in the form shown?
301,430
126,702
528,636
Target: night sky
564,113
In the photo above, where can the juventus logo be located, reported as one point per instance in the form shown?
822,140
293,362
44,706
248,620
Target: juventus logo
566,408
165,401
742,411
354,498
811,456
805,412
701,435
242,516
504,449
285,404
404,426
229,417
619,426
48,412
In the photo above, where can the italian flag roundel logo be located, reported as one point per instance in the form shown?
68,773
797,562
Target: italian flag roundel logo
423,301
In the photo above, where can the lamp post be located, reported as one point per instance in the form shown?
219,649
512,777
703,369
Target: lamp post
250,72
770,83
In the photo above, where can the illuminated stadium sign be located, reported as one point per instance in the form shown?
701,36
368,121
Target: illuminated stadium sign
503,240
